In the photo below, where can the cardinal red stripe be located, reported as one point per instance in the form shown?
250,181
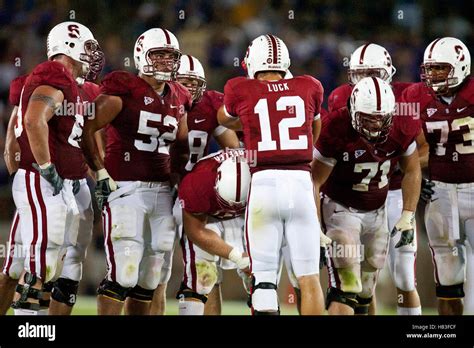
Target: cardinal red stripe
191,63
377,94
44,227
167,35
34,217
11,250
432,46
237,186
362,53
274,48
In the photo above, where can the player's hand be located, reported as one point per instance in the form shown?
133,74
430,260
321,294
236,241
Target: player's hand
405,226
104,187
426,190
242,260
50,174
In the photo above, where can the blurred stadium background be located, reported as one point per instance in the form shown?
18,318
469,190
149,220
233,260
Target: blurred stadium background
320,36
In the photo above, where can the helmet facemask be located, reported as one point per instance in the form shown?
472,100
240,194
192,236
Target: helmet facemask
162,63
194,84
93,60
375,128
439,77
355,75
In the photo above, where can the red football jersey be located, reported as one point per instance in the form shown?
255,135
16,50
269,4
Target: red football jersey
449,131
15,89
277,118
63,129
338,99
196,191
361,171
139,137
202,124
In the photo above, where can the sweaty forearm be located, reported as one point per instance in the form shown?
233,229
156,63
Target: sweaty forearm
210,241
411,185
11,154
38,134
90,149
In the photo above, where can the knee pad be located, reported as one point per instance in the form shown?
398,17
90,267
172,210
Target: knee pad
336,295
336,251
404,270
207,276
362,307
166,268
376,250
65,291
150,271
112,290
28,293
450,292
140,294
264,294
184,292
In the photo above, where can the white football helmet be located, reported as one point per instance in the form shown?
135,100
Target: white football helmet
370,60
191,75
157,54
266,53
77,42
446,63
372,105
232,184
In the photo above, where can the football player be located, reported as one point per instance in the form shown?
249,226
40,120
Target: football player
144,115
446,101
374,60
354,159
52,169
213,198
279,118
202,125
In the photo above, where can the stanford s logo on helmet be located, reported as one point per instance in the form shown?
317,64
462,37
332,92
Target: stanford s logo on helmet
77,42
446,64
372,104
266,53
156,53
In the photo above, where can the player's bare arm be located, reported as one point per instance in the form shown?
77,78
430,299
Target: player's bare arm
40,110
228,140
12,148
423,150
411,184
320,173
317,124
228,122
107,108
208,240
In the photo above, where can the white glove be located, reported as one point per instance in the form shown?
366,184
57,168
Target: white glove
324,240
103,174
406,226
242,262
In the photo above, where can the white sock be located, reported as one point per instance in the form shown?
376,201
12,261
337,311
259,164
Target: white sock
191,308
25,312
409,311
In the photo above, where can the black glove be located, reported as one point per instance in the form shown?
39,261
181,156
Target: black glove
76,187
51,175
102,192
426,190
322,257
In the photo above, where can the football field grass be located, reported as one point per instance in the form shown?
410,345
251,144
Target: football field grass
86,305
